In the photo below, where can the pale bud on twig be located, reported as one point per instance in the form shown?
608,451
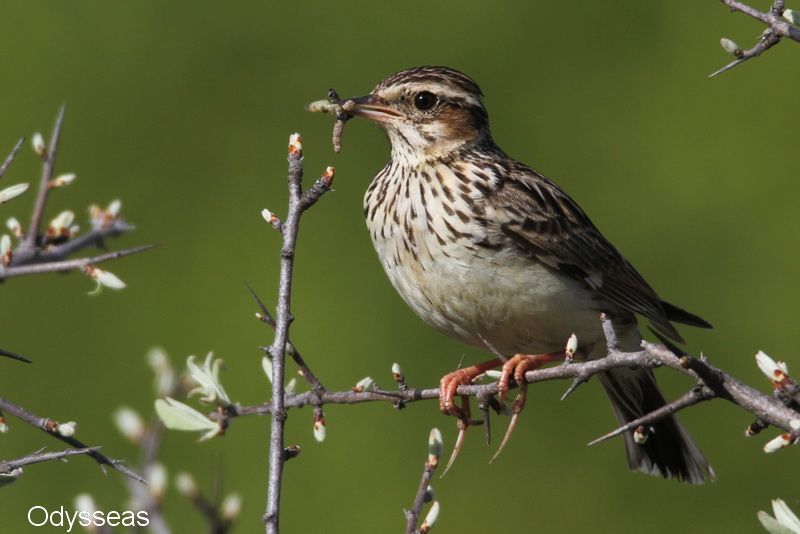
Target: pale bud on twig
271,218
129,423
572,346
435,447
328,176
10,477
397,372
156,475
231,507
37,142
67,429
640,435
186,484
114,207
6,250
365,384
776,372
295,145
62,180
103,279
792,16
14,226
729,46
319,428
12,191
780,442
430,519
59,226
493,373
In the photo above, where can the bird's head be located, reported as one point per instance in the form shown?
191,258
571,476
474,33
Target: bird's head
427,112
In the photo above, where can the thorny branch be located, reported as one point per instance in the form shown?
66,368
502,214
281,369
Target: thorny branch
777,28
299,202
780,410
55,429
69,265
8,466
39,253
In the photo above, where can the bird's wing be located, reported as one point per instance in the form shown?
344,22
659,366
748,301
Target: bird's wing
544,221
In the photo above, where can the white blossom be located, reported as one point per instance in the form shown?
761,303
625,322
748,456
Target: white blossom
784,522
179,416
207,379
67,429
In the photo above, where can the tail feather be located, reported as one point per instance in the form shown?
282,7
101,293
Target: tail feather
669,451
679,315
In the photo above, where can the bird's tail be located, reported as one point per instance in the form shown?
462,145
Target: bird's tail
669,450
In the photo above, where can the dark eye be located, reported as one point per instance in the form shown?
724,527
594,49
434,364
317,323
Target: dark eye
424,100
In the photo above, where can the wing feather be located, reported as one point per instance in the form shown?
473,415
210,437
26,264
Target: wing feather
555,230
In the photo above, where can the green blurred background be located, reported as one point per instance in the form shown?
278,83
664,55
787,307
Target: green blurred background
183,110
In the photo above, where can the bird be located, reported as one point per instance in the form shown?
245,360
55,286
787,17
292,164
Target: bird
489,251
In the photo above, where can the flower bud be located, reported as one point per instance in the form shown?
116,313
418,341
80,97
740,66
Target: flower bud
435,447
67,429
185,484
37,142
729,46
231,507
12,191
129,424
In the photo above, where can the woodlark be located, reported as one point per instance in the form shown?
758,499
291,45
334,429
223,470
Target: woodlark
488,251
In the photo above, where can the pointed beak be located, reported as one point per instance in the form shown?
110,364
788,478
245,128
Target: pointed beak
370,107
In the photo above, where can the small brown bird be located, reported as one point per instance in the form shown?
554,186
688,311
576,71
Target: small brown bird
488,251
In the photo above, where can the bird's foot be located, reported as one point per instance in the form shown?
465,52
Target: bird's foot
448,389
516,367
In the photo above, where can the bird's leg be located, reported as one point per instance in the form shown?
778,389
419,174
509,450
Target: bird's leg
448,385
448,389
517,367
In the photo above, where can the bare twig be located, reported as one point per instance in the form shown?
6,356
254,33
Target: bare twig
69,265
10,158
423,494
50,426
47,174
777,28
299,201
39,456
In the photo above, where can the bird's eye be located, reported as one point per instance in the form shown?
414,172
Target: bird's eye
424,100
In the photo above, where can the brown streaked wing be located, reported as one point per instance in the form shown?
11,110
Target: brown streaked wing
559,234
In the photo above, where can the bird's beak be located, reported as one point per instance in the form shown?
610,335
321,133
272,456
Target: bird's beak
370,107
